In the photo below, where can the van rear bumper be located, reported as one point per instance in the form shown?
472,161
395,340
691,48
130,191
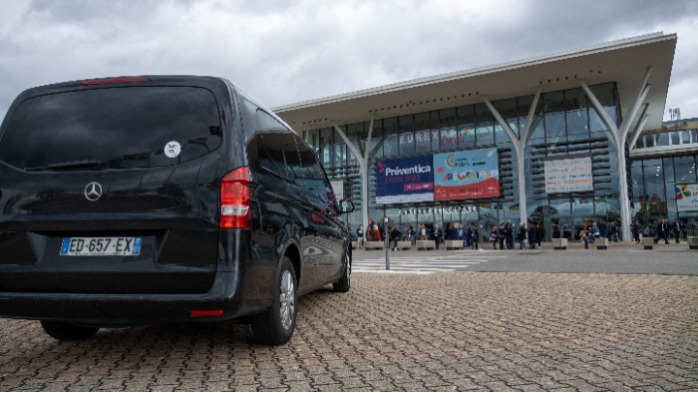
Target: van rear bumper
119,309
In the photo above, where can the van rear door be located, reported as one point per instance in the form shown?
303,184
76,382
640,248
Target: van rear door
110,188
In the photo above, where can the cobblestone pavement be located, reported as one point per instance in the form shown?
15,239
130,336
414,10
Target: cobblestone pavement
442,332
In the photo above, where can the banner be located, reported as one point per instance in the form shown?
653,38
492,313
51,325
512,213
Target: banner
687,197
466,175
568,175
404,180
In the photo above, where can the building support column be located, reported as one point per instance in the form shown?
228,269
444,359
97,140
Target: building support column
639,127
619,137
362,159
519,143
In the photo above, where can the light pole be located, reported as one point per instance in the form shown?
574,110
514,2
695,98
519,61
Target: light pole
387,244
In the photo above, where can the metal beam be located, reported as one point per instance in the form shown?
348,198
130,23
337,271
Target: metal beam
628,120
363,167
510,133
350,145
639,127
642,91
519,143
610,124
529,120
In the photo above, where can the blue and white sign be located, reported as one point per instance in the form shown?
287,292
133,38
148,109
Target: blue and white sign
568,175
405,180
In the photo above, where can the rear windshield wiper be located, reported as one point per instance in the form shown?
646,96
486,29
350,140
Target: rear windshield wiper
68,166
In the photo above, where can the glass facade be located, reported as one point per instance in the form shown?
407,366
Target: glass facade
654,197
667,157
667,139
568,126
565,124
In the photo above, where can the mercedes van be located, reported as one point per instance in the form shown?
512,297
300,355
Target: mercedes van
161,199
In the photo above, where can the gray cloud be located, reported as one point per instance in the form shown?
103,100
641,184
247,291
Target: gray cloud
288,51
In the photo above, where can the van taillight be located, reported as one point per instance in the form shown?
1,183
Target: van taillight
235,200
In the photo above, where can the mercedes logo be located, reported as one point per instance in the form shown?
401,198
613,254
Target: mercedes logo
93,191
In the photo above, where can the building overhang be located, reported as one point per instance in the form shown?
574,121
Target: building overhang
624,62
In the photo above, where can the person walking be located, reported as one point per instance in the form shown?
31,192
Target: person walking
584,235
369,230
521,236
376,233
677,229
494,237
593,233
438,233
501,235
474,237
532,240
452,233
635,230
613,232
395,236
468,236
360,235
461,233
662,231
410,235
509,231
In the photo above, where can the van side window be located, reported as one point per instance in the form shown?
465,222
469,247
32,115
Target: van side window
312,178
267,123
270,156
274,138
293,160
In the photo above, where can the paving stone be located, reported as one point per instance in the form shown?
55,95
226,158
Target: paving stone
456,331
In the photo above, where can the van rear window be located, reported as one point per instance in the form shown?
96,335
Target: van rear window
126,127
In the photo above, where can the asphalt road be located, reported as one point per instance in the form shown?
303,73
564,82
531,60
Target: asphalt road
625,258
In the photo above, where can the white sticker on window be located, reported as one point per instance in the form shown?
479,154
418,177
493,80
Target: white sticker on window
172,149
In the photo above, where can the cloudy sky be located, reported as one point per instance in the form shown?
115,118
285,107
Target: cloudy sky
288,51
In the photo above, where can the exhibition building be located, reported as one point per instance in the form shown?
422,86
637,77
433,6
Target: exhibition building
557,140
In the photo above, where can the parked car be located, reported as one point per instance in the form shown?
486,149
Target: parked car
161,199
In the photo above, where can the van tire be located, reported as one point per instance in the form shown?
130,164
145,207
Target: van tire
344,283
65,331
275,325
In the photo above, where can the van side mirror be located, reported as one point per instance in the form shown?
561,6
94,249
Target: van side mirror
346,206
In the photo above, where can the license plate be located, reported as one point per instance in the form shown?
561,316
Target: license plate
101,246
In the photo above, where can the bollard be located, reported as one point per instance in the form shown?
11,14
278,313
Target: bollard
387,244
647,242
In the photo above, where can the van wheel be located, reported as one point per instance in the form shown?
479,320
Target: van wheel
275,325
65,331
344,282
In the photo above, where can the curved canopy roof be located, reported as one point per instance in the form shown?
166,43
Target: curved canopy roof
624,61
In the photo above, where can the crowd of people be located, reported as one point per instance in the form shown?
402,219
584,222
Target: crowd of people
505,235
508,236
663,231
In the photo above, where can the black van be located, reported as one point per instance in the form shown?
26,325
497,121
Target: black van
160,199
